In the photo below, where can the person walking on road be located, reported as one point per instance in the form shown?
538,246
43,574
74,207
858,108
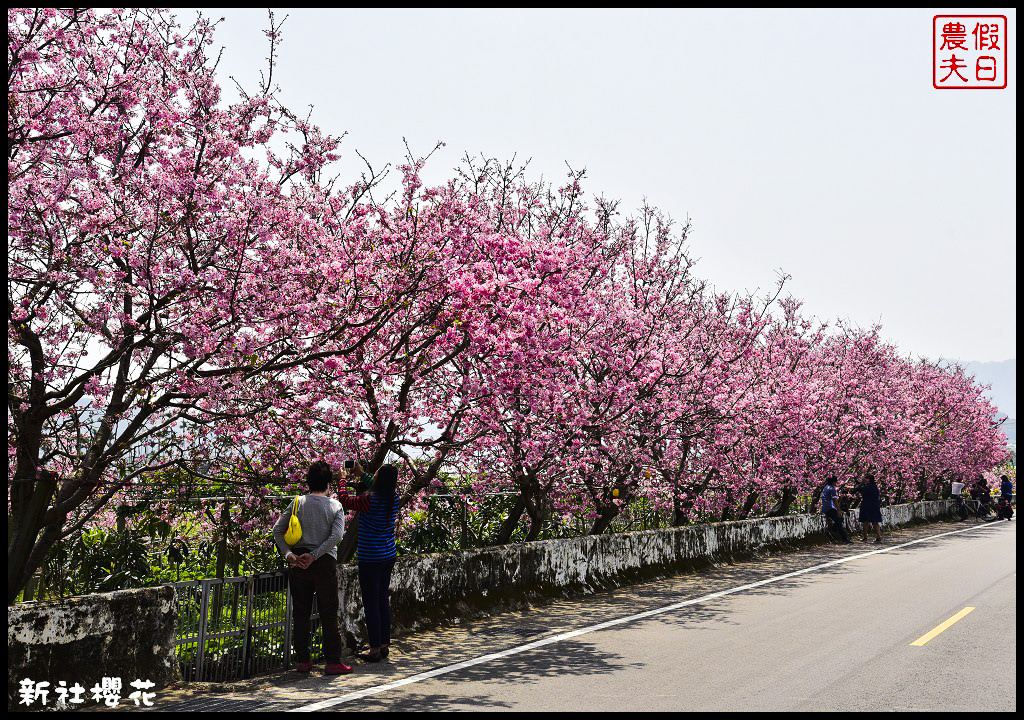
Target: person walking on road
378,512
313,563
830,508
870,508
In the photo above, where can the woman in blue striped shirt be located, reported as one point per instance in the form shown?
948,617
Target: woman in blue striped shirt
378,513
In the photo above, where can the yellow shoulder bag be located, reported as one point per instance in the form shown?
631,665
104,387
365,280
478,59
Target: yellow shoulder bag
294,533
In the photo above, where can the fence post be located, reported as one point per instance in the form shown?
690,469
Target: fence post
246,636
201,638
287,627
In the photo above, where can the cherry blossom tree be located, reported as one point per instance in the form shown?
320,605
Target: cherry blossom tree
162,283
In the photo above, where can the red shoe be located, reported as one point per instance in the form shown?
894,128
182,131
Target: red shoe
303,667
337,669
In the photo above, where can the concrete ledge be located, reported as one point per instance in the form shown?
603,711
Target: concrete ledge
428,589
127,634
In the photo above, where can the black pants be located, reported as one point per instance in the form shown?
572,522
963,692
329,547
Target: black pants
837,523
375,582
1005,508
321,579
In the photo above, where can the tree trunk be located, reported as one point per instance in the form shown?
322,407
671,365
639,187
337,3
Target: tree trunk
510,523
785,502
222,546
684,507
922,487
536,523
349,541
604,519
34,582
748,505
680,515
30,498
680,509
222,551
815,499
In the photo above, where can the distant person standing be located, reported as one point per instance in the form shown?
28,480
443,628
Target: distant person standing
1006,497
313,563
982,495
830,508
870,508
957,496
957,490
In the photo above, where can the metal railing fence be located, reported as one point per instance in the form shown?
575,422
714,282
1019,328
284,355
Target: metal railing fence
234,628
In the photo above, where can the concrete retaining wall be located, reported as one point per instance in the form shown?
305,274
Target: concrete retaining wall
427,589
127,634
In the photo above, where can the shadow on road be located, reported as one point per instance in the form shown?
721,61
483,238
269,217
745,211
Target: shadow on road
557,660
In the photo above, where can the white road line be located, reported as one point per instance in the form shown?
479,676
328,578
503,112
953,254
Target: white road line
420,677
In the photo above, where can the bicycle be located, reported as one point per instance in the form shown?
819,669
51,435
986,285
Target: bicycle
832,534
1003,509
961,508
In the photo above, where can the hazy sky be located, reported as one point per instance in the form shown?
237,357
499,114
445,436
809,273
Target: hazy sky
806,141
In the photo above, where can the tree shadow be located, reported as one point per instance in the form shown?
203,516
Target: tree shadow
223,705
428,702
562,659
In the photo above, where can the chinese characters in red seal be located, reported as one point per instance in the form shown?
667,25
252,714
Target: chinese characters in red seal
969,52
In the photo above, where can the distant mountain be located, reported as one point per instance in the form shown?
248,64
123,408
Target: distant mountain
1010,430
1002,376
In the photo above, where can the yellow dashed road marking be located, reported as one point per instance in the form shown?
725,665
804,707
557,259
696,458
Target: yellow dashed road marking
944,626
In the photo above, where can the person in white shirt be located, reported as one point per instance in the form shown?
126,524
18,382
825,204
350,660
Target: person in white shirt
959,506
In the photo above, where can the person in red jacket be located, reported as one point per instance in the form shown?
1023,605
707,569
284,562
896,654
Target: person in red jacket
378,513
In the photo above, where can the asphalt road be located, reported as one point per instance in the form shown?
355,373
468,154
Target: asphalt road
838,638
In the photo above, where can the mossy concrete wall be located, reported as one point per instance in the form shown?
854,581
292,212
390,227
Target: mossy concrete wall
127,634
427,589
